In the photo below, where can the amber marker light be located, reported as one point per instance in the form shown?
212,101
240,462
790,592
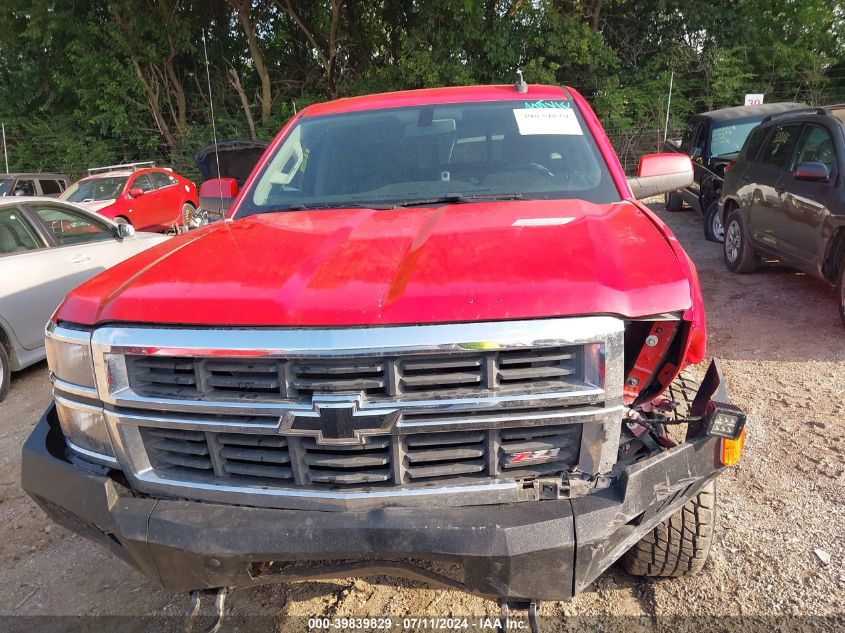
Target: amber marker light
732,449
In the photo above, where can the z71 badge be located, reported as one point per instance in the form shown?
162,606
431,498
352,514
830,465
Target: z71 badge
531,457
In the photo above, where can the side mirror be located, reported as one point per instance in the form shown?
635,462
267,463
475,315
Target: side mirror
659,173
136,192
813,172
125,230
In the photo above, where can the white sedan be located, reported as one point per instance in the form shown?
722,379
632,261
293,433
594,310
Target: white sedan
47,248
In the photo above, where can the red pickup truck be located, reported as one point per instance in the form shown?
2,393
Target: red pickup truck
437,337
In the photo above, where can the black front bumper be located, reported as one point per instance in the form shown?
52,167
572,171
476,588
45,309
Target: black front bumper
543,550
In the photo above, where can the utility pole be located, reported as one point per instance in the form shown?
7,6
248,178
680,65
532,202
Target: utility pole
5,155
668,105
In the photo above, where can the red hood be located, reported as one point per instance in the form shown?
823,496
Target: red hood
466,262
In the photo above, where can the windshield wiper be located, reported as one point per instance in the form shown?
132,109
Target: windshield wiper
458,198
325,205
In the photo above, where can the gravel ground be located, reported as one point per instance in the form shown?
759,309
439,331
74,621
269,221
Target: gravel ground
779,337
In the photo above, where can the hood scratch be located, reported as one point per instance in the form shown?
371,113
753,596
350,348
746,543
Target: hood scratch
405,269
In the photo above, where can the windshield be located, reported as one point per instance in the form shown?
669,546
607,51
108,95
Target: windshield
727,139
5,186
431,154
95,189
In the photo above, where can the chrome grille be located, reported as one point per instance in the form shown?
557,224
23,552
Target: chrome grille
428,375
233,377
419,458
347,465
445,455
537,367
350,375
264,457
340,418
177,448
464,374
163,372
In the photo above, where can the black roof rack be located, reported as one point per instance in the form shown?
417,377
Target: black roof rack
738,113
819,110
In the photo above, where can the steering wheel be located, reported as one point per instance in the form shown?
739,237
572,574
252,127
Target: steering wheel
541,169
568,179
549,178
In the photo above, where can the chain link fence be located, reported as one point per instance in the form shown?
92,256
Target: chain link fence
629,146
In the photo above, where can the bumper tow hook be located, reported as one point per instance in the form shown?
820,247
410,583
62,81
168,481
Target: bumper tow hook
195,607
531,607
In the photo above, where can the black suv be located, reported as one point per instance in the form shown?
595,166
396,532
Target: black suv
712,140
785,198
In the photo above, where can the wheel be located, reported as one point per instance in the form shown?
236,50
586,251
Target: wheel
191,216
679,546
840,287
672,201
121,220
739,254
714,230
5,372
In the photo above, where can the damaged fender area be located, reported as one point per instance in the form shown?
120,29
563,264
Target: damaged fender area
608,523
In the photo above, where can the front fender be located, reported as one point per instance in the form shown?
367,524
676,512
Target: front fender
695,347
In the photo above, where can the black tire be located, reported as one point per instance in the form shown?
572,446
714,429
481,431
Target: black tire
714,230
5,371
680,545
840,290
672,201
739,255
122,220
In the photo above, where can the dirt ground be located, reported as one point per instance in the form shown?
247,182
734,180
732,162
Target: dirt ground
781,343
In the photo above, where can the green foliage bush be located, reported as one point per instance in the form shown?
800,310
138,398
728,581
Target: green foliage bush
106,81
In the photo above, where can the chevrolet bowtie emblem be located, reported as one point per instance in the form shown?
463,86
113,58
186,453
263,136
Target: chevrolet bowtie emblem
337,420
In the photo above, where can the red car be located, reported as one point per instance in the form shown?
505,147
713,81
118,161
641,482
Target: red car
433,340
147,197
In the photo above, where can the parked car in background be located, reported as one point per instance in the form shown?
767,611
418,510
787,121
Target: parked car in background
224,168
33,184
147,197
785,197
47,248
712,140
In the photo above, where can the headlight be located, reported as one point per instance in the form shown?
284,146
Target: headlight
69,355
85,429
83,423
